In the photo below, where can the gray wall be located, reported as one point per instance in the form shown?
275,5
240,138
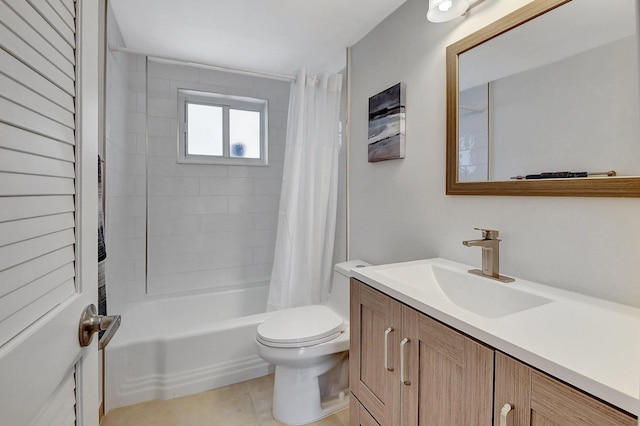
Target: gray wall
598,126
399,210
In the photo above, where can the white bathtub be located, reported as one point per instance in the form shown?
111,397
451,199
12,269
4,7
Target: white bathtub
174,347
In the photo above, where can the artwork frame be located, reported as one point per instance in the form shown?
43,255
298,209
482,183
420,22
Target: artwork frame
387,122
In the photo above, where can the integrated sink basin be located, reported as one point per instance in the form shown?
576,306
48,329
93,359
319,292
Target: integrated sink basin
480,295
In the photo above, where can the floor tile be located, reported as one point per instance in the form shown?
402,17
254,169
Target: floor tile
230,405
243,404
343,415
159,413
332,420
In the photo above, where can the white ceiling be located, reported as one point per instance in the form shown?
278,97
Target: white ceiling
269,35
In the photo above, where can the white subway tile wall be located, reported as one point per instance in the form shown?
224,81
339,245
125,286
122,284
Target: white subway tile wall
125,181
210,226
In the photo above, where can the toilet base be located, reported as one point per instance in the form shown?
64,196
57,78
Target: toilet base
296,393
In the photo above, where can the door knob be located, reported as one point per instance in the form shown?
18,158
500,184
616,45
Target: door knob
91,322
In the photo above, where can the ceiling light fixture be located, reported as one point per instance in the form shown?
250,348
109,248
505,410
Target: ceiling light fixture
446,10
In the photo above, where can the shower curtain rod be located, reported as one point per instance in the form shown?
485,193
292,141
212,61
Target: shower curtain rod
243,71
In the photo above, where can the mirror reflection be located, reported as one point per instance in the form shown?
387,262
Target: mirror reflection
558,93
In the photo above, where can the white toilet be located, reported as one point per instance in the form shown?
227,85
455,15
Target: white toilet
309,346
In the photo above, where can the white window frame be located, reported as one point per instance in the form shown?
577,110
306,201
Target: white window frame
187,96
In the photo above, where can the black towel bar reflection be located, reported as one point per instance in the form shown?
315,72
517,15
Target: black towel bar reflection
563,175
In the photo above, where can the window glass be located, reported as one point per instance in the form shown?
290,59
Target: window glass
204,124
244,133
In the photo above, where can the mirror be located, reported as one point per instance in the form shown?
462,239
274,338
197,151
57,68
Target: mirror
552,87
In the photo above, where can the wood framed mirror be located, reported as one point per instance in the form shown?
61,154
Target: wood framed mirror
586,136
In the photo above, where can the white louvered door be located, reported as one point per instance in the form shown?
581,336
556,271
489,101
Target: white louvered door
48,210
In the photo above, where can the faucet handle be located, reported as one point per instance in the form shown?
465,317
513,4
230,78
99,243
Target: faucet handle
488,234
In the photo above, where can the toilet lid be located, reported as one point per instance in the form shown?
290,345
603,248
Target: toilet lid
302,326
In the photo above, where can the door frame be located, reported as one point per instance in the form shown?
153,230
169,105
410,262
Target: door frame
87,108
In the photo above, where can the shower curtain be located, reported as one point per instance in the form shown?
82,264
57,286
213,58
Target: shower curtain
307,215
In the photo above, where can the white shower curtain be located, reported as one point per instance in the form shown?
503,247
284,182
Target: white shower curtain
302,265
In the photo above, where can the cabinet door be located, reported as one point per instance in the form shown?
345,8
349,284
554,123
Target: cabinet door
540,400
358,416
448,378
554,403
375,329
513,387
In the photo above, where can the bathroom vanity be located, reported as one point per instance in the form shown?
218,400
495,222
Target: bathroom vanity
434,345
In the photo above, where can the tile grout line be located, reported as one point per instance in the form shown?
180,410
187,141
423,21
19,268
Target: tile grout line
253,402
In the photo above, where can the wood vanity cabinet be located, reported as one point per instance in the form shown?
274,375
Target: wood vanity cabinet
408,369
537,399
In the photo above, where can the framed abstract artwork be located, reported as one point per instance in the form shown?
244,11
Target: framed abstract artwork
386,136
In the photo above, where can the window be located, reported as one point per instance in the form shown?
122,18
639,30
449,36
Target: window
221,129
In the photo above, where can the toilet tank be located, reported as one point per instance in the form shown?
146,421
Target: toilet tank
339,297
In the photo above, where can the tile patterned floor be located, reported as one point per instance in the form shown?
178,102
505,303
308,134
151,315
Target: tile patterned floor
243,404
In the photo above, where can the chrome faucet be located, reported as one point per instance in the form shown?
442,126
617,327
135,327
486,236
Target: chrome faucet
490,255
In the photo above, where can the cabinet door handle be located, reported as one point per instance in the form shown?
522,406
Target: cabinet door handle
504,414
386,348
402,346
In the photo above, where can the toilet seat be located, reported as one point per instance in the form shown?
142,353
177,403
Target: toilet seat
299,327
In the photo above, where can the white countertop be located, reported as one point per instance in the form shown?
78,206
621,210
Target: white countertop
590,343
